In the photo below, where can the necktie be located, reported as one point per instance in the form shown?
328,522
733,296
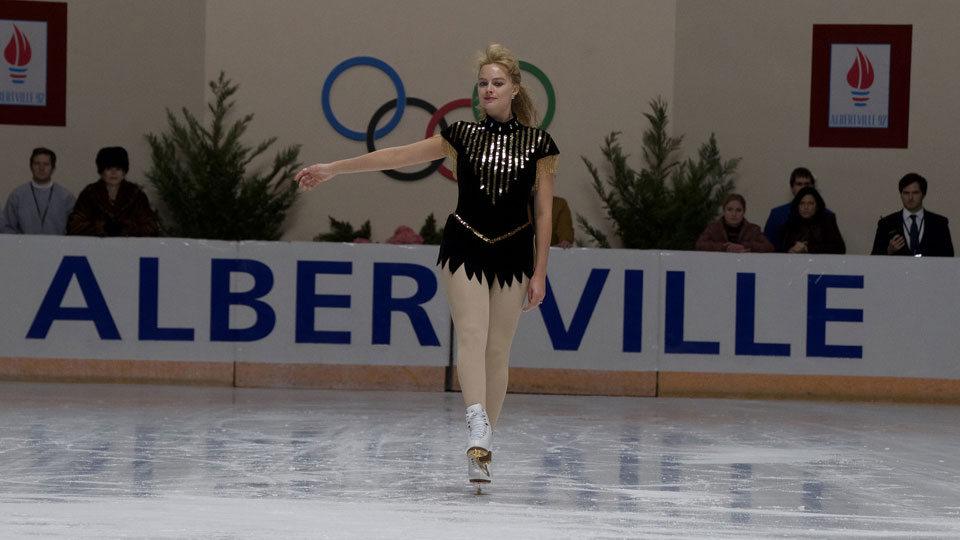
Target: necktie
914,234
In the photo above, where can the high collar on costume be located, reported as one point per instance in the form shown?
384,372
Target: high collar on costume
502,127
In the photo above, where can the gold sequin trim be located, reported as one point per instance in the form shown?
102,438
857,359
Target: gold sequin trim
499,158
491,240
545,165
451,153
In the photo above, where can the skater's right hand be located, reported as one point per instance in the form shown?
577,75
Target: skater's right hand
309,177
535,292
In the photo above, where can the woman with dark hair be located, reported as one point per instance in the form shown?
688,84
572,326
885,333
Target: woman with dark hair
112,206
810,229
732,232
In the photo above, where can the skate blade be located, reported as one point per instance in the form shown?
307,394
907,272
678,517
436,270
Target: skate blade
477,453
480,485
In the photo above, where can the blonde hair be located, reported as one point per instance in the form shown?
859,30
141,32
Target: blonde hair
522,104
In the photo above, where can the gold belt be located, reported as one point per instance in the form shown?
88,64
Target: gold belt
491,240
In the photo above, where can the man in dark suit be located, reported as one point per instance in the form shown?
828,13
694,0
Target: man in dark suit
913,230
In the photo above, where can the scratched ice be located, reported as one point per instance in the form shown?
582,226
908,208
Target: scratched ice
143,462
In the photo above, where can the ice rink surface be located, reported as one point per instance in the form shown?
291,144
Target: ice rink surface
148,462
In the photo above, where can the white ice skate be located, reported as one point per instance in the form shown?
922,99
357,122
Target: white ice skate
480,438
478,471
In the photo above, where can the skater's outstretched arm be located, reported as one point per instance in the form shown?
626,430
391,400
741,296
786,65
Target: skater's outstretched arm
387,158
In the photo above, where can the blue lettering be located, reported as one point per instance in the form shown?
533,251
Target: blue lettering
673,342
562,338
384,304
221,298
52,310
149,306
818,314
632,310
308,301
746,321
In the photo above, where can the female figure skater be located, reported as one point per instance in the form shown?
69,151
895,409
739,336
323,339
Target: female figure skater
490,256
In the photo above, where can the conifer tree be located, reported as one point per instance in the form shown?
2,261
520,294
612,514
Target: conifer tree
200,174
343,231
430,232
667,203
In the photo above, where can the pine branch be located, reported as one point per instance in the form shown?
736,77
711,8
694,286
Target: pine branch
343,231
430,233
667,203
598,236
200,173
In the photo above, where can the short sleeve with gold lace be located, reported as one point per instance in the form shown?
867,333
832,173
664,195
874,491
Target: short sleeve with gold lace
523,145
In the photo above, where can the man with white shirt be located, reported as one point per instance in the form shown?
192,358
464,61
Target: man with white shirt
913,230
39,206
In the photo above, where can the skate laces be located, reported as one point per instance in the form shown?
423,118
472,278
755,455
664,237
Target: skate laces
478,425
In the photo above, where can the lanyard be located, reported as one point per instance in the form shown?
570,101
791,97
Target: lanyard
43,215
920,224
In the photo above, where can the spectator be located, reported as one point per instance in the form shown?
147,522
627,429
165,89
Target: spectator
800,178
39,206
112,206
810,229
732,232
562,224
913,230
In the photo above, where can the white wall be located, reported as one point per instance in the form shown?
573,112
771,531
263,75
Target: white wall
606,59
607,310
739,68
126,62
743,72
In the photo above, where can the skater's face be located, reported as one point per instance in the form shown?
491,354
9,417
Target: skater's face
496,91
733,213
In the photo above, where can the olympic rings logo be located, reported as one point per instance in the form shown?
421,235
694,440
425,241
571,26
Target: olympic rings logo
399,104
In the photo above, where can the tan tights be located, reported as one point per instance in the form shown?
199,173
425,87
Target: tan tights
485,320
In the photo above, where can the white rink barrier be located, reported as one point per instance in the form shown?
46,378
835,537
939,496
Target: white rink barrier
615,322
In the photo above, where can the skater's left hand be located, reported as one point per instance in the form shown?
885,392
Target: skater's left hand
536,291
309,177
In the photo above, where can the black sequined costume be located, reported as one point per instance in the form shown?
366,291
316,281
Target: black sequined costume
497,166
